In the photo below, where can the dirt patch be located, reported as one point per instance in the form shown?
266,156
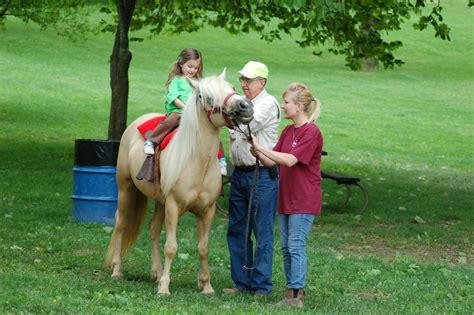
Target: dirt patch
363,245
368,294
86,252
422,253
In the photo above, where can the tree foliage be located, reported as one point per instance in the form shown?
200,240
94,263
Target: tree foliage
354,28
69,18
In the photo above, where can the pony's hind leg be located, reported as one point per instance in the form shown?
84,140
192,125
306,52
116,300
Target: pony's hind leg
156,224
203,227
128,218
171,245
114,259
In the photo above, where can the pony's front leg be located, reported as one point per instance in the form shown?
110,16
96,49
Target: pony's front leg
156,224
171,245
203,227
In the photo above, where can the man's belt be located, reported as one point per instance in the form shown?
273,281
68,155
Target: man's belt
249,168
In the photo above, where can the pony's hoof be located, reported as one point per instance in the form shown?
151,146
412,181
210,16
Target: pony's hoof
208,292
163,290
163,293
117,276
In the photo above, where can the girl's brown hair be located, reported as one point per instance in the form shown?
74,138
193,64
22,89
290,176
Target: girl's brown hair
302,95
185,55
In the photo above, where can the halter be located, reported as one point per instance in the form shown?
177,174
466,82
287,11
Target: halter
228,121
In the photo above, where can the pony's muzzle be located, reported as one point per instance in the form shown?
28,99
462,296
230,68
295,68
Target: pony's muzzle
244,105
243,112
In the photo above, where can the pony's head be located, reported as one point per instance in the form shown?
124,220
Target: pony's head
222,104
216,98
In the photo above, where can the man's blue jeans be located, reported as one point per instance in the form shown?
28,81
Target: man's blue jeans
294,230
253,274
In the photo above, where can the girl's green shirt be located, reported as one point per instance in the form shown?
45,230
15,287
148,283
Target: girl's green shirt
179,88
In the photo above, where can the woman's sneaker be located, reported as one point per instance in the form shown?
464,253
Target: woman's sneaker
149,147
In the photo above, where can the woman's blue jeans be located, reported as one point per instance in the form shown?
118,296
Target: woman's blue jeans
252,274
294,230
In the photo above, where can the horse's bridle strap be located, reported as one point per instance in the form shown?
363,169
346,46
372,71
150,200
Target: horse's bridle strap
227,120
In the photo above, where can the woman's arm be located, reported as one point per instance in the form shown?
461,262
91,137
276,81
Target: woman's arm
270,157
265,160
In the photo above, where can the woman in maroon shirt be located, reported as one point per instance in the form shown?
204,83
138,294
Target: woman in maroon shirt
298,153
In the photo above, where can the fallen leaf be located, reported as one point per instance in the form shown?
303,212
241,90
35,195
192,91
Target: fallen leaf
374,272
183,256
108,229
419,220
462,259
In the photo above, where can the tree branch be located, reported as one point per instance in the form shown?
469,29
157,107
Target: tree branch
5,8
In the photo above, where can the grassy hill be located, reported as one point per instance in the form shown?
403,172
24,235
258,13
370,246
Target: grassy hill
407,133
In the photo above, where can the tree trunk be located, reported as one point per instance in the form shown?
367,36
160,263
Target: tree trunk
119,65
369,62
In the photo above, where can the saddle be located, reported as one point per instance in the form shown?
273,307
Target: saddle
150,169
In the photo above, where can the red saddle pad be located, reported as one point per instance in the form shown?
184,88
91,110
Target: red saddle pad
151,124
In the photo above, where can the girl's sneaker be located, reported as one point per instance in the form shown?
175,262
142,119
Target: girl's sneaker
149,147
223,166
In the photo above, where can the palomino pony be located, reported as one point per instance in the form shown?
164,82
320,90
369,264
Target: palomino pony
190,179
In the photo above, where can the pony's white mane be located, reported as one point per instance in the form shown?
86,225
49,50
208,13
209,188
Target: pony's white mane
187,140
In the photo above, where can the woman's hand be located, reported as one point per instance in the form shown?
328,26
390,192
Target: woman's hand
253,151
254,143
255,146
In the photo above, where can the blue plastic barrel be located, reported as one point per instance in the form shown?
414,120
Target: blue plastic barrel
95,195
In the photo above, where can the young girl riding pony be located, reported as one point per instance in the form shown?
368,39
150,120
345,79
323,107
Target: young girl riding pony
189,65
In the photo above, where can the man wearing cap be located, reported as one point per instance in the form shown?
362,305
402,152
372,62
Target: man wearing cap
251,270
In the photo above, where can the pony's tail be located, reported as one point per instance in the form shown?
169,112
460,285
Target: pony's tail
129,218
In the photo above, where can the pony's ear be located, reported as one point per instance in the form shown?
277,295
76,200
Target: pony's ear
194,83
223,74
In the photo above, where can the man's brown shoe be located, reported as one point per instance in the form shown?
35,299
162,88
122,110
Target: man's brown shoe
231,291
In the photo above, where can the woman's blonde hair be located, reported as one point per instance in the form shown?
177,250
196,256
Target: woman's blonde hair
184,56
302,95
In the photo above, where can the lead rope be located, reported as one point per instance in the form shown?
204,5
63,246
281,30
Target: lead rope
249,208
254,190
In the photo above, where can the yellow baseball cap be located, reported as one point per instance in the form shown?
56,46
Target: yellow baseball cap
254,69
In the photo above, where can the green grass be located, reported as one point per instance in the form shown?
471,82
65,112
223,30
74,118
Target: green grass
407,133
